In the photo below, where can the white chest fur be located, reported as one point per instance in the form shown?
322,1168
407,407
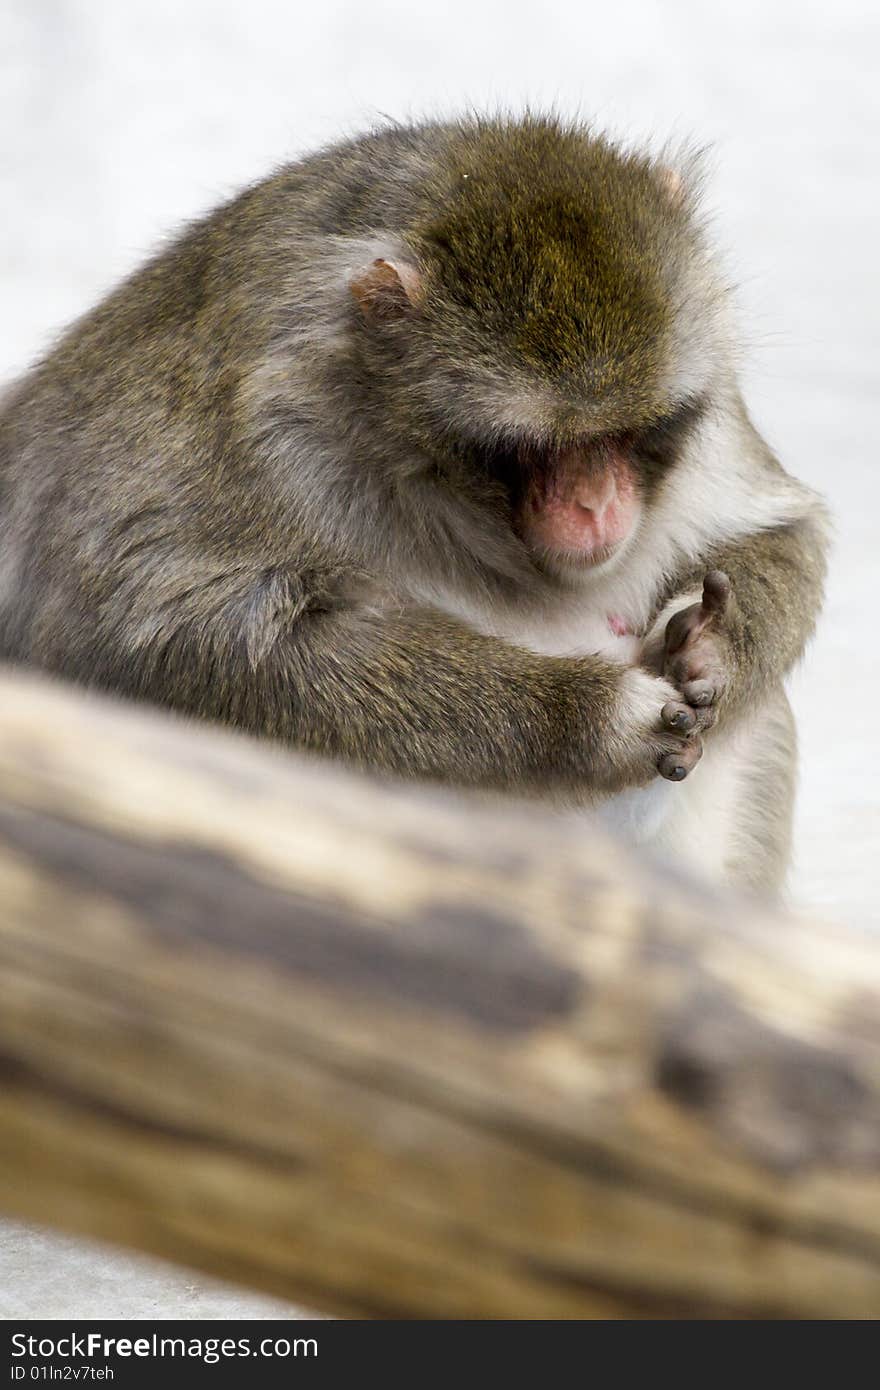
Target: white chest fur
573,627
594,620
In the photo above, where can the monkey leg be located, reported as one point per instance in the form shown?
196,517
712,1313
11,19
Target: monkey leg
760,845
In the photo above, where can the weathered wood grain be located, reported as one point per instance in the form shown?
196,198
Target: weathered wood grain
394,1053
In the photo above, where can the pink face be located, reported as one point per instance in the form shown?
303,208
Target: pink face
585,509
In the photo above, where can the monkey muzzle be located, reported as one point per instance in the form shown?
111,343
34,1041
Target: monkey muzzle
584,507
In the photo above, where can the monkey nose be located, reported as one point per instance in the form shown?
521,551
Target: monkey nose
595,513
595,495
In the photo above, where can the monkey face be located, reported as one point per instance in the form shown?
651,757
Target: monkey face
550,324
570,468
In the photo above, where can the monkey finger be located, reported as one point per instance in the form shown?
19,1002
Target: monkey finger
716,592
699,693
690,622
707,719
682,626
679,717
676,766
683,670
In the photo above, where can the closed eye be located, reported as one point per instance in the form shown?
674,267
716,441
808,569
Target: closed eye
660,444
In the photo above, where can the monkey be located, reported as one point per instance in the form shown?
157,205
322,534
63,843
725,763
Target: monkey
428,453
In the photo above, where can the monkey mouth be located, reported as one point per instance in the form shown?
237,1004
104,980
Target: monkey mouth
568,559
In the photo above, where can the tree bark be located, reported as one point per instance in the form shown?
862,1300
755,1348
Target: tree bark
397,1053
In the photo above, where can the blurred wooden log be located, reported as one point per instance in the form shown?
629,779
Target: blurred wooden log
397,1054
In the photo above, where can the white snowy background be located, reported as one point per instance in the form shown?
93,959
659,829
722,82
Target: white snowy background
120,119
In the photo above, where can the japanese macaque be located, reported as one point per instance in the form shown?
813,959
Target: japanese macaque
428,453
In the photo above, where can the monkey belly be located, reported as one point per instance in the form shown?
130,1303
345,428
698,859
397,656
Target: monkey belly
729,822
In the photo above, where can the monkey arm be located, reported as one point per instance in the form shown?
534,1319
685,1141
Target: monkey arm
415,693
727,648
777,581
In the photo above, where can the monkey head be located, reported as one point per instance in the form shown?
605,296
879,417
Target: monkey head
546,333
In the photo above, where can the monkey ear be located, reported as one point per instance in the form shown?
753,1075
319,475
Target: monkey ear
386,289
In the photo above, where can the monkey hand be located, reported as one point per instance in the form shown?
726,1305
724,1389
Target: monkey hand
655,732
696,656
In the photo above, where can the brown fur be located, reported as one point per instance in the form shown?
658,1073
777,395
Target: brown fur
234,485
